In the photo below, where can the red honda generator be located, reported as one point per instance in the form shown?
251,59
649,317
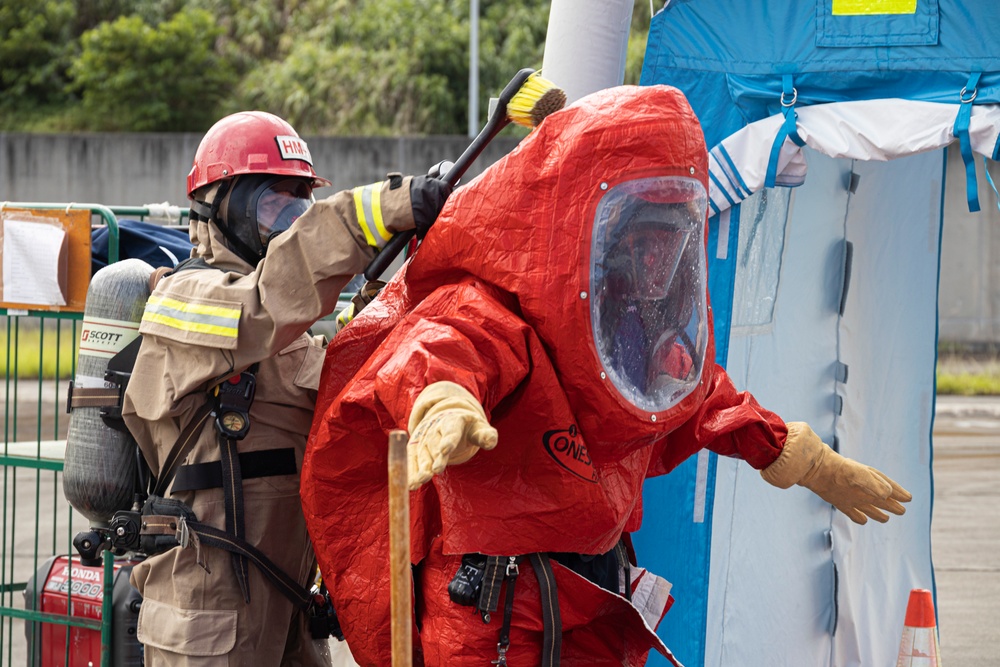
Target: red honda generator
50,590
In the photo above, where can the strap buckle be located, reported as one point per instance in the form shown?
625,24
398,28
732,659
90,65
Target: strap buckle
185,537
183,534
501,660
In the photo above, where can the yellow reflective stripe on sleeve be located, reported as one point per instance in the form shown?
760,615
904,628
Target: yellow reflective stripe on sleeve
359,210
194,317
368,206
377,212
345,316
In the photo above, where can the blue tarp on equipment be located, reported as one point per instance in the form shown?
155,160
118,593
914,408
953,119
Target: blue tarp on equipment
154,244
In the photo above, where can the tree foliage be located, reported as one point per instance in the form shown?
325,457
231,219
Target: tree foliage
329,66
137,77
369,71
33,56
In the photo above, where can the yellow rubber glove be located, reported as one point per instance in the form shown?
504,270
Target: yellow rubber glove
447,427
857,490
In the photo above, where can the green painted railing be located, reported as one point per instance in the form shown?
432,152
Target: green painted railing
34,406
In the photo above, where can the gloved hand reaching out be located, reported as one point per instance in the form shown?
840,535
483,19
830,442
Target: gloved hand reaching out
857,490
447,427
427,196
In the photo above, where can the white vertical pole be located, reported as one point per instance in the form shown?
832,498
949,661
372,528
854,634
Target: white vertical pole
585,45
473,67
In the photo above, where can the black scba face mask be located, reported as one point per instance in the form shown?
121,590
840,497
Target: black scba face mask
258,207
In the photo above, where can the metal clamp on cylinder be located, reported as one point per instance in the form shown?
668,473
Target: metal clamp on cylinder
111,414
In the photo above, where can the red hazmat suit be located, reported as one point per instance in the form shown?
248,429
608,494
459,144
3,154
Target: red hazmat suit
517,294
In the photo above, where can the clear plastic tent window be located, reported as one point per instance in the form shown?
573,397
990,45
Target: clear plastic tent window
761,243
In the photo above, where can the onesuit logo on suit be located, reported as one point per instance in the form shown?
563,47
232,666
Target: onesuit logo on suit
568,450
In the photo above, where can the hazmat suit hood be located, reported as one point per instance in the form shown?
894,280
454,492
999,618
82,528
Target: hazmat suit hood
535,224
210,244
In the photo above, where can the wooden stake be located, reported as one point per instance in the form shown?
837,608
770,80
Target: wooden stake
399,552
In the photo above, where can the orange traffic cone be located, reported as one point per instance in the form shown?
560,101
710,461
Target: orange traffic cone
919,645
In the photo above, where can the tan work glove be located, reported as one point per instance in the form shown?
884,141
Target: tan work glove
447,427
855,489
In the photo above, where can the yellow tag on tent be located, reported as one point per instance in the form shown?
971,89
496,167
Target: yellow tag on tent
873,7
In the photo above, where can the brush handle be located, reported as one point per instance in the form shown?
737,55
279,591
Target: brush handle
401,604
384,258
497,122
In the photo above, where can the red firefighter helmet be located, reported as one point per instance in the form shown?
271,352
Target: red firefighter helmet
251,142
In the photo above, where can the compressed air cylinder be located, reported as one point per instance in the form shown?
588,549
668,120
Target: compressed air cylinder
99,476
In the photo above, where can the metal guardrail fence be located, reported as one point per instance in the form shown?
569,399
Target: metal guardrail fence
35,426
40,350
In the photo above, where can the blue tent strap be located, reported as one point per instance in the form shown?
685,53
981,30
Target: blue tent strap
789,95
989,179
961,130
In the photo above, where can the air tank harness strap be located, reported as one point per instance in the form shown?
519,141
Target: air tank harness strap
499,569
111,396
266,463
194,533
233,398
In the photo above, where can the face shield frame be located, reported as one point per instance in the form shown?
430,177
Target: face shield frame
277,204
258,207
650,337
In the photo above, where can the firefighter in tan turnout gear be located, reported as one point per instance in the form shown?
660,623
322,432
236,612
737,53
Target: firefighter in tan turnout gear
223,390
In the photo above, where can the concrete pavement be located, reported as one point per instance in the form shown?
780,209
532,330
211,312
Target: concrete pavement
965,529
965,533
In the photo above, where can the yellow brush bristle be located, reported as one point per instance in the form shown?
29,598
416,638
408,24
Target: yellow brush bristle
535,100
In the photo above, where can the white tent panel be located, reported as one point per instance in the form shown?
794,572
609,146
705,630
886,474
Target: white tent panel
778,573
802,585
862,130
894,222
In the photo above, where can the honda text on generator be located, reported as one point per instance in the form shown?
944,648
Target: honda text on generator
56,589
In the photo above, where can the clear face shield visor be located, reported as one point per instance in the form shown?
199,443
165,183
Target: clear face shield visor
277,205
648,281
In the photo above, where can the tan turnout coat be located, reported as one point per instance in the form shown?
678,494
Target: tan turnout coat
200,327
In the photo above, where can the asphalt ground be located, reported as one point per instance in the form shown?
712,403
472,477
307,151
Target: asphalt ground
965,529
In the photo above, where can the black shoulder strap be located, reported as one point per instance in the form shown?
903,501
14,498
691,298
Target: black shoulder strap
124,361
192,263
185,441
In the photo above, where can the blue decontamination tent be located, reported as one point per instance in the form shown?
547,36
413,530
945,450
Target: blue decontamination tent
827,122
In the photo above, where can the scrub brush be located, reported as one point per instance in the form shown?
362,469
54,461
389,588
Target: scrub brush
535,99
526,100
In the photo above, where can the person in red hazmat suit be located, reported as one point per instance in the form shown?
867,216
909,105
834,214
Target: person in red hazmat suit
548,347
